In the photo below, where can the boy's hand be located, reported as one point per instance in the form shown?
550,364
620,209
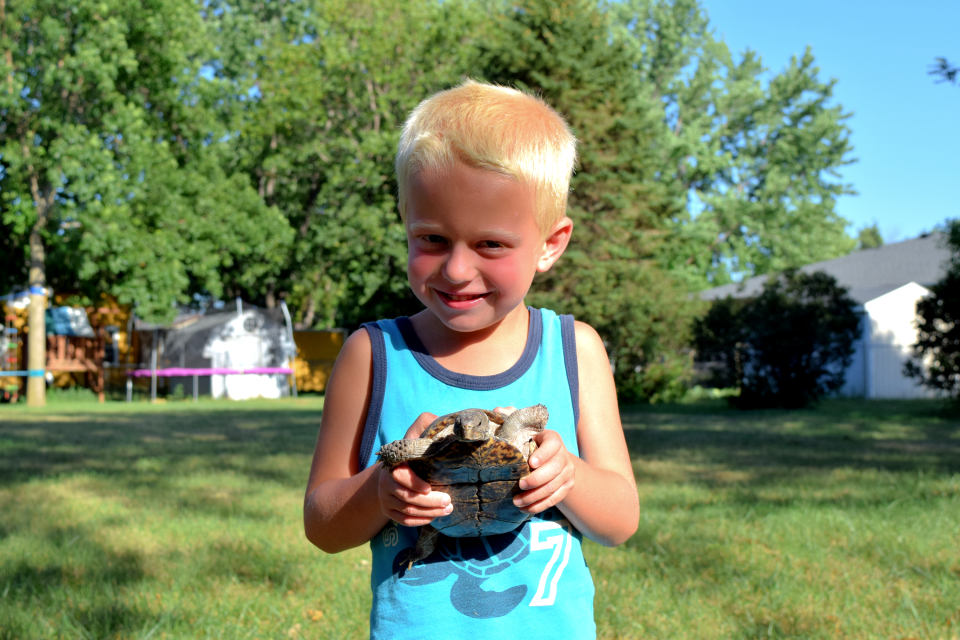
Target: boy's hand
405,497
553,472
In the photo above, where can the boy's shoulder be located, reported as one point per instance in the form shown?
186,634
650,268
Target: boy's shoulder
593,363
588,340
355,360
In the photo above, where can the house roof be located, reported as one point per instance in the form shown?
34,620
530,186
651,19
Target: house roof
868,273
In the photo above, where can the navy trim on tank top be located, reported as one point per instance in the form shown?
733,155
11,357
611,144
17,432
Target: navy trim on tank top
475,383
464,381
370,427
568,336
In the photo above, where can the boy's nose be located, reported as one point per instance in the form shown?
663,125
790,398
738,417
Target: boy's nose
459,267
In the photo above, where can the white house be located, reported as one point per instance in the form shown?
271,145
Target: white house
886,282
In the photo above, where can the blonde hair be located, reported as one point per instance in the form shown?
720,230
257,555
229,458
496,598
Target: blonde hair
496,128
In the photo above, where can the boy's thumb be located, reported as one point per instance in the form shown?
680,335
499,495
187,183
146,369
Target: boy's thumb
419,426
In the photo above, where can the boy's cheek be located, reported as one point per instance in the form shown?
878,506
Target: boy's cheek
418,270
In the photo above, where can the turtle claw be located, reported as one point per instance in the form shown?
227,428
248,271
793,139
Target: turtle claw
409,557
426,545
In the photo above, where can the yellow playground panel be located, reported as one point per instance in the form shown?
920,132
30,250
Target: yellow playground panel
316,353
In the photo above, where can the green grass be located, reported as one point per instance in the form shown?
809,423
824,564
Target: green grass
184,521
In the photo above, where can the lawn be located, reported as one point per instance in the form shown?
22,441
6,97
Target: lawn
183,520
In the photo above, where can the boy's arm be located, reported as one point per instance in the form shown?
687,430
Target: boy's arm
597,492
345,507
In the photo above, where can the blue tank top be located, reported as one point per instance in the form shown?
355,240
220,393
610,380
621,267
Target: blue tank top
513,585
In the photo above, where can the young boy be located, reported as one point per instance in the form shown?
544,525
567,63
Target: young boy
484,173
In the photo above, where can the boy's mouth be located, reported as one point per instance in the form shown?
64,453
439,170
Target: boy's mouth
459,297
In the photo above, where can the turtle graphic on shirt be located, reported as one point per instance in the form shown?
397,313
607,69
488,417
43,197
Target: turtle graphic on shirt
474,561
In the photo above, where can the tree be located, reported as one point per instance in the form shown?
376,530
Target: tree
869,237
753,157
692,166
609,276
334,84
109,175
788,347
936,354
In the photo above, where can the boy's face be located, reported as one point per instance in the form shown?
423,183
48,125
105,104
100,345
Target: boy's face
474,245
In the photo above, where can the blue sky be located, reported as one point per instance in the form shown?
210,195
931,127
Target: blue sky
906,128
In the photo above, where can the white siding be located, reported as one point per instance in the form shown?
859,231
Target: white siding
889,331
855,382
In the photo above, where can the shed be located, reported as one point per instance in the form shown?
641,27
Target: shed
886,282
246,339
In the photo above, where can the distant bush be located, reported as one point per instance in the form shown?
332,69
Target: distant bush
936,354
70,394
788,347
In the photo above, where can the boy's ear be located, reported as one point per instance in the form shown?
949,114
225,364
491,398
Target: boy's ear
555,243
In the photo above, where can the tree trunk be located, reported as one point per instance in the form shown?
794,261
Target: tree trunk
37,338
271,296
308,317
36,321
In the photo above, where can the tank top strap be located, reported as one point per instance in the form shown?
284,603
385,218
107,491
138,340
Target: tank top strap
407,380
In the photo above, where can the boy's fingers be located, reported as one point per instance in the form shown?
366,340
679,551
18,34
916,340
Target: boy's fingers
433,500
408,521
545,503
419,426
550,474
504,410
551,491
412,509
406,509
535,487
405,477
549,443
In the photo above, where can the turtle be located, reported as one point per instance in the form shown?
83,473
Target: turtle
477,457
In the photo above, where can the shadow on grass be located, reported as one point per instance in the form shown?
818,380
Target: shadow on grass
272,443
769,445
143,443
77,578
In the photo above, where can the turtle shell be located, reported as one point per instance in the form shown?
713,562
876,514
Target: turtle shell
481,478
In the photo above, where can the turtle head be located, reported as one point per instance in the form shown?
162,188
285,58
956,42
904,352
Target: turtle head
471,425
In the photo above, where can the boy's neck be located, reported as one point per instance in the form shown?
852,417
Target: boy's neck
487,351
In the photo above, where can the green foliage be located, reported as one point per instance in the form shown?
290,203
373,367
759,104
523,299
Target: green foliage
788,347
869,237
59,395
609,276
111,156
692,166
936,354
164,149
335,85
751,157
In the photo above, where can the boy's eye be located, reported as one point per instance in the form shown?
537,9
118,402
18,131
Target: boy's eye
491,244
434,239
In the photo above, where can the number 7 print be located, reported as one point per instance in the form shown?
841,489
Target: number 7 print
555,542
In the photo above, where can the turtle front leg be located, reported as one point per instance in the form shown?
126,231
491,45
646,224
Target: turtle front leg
424,547
393,453
523,424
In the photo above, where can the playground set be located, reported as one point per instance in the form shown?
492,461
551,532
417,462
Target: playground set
74,345
246,353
